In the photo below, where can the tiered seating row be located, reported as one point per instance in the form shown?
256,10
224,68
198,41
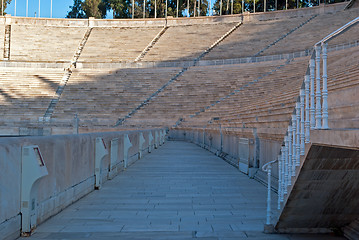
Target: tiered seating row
101,94
26,93
269,103
33,43
246,42
197,88
186,42
315,30
117,44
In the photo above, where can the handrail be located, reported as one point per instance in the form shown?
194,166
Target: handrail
338,31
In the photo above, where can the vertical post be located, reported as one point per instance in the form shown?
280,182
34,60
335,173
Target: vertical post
220,132
276,5
177,9
265,5
220,8
286,4
242,6
298,112
227,7
144,8
312,93
279,179
307,119
325,90
194,8
290,155
199,8
231,7
39,7
2,7
286,177
254,6
51,9
269,195
133,9
27,8
294,142
284,186
302,121
155,8
187,8
166,10
318,113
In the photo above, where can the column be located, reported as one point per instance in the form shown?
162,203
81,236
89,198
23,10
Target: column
318,112
294,142
325,90
302,122
312,89
307,118
298,112
286,170
290,154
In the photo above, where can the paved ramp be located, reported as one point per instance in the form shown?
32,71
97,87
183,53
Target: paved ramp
179,191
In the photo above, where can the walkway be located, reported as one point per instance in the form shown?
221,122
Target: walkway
179,191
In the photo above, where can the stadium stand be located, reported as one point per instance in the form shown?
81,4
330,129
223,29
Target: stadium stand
124,45
44,43
302,37
197,88
119,90
245,113
196,38
27,99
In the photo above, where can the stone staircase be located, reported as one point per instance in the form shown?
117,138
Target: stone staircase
7,39
284,36
65,78
194,63
151,44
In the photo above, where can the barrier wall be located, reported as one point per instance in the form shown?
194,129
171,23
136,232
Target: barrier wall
242,148
70,162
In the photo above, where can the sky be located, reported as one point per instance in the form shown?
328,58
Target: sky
59,8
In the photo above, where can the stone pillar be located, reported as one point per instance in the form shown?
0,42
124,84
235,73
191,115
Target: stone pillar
302,122
307,116
318,112
298,117
312,93
325,90
290,154
294,142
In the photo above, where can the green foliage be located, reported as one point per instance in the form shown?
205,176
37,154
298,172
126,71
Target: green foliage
227,5
6,2
121,8
76,10
89,8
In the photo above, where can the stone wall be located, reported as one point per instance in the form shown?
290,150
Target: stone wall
70,161
241,148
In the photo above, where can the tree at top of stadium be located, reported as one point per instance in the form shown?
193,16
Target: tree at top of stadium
5,2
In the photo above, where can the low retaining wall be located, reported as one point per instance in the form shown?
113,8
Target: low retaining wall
242,148
70,162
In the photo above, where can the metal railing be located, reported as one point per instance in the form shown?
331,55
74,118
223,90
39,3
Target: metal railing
310,112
